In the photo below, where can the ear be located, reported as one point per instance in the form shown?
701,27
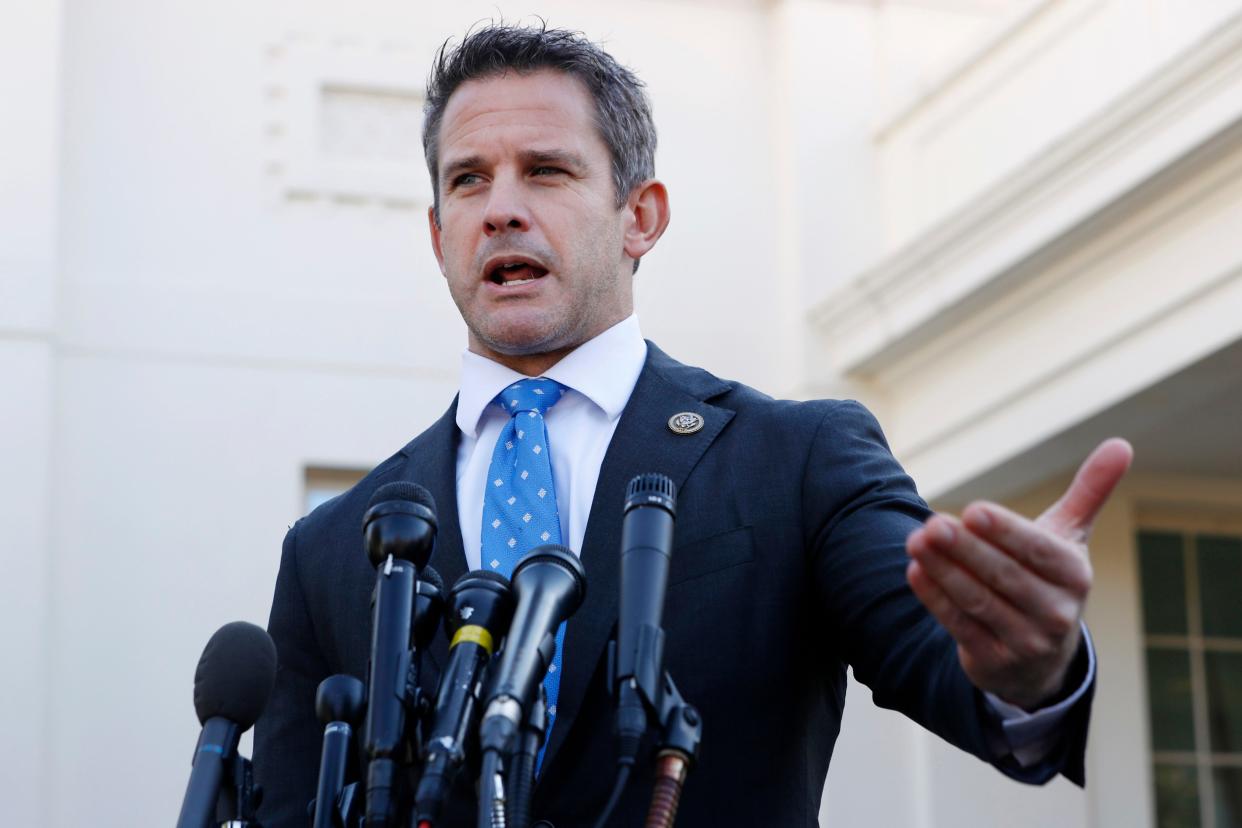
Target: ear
435,237
647,215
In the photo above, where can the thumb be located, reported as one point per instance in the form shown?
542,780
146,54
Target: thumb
1073,515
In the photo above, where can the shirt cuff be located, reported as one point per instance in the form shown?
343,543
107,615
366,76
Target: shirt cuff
1031,737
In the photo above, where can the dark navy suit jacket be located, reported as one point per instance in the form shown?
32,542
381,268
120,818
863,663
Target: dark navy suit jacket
789,564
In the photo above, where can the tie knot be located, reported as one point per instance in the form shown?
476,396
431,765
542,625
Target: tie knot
531,394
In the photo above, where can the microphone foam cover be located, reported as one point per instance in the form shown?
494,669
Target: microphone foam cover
403,490
235,674
430,576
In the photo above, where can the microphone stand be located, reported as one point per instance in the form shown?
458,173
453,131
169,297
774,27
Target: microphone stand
676,750
348,812
491,811
642,703
239,797
522,775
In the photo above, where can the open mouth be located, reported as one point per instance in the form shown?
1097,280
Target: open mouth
515,272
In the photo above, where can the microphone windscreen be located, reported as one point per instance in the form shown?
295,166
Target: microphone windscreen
403,490
432,577
235,674
651,489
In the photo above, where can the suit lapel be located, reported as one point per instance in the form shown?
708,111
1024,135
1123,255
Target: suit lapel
642,443
432,463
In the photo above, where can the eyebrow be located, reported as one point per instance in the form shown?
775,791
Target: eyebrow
528,158
565,157
469,162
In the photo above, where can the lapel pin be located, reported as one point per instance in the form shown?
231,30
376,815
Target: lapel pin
687,422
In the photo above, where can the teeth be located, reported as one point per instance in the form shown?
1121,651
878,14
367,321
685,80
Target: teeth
519,281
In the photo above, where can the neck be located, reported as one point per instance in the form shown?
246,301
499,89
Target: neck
532,365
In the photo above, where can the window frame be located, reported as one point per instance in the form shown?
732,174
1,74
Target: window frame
1189,524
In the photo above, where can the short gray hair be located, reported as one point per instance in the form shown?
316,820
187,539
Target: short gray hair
622,110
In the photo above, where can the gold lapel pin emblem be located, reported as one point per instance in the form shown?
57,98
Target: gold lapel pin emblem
687,422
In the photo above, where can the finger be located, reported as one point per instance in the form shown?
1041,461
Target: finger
1047,554
968,633
1073,515
1050,606
976,601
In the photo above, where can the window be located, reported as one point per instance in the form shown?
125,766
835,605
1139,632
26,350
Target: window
323,484
1192,616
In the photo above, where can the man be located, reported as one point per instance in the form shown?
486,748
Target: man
800,546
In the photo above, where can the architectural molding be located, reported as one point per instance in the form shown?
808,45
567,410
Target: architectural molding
1006,28
1010,444
344,122
1102,171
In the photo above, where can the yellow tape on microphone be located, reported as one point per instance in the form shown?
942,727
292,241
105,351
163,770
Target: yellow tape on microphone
475,635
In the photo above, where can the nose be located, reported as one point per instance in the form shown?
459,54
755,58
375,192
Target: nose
506,209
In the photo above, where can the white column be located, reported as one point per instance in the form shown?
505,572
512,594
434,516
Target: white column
30,123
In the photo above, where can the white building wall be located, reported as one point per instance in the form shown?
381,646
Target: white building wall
30,82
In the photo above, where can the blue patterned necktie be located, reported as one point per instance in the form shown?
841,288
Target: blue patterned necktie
519,505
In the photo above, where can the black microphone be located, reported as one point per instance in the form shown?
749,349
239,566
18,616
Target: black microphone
232,683
399,528
480,608
646,548
550,584
428,608
340,703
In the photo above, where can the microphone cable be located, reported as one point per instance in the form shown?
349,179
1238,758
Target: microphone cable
618,788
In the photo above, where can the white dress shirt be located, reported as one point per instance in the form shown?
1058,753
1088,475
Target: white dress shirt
600,375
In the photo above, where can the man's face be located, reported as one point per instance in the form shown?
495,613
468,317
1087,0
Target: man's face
530,239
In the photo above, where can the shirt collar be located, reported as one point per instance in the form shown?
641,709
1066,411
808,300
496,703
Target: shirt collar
604,370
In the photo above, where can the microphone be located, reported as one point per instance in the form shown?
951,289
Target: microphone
428,607
550,584
232,683
480,608
636,661
340,703
399,528
428,610
646,548
400,522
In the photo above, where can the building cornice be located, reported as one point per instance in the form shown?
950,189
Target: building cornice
1105,168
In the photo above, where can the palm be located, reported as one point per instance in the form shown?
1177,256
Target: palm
1011,591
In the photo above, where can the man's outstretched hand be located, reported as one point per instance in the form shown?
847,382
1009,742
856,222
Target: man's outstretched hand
1011,591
